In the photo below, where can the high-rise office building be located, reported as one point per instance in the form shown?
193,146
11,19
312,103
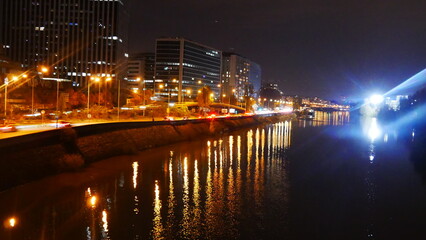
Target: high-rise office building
140,71
240,76
74,38
182,67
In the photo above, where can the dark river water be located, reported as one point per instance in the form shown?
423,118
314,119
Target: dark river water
331,178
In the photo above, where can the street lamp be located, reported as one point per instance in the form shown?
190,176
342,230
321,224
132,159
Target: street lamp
98,80
44,69
88,96
32,92
143,88
107,80
233,91
188,92
6,82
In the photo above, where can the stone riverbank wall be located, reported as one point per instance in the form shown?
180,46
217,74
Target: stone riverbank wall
34,156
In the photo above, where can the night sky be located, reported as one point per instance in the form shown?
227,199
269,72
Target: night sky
325,48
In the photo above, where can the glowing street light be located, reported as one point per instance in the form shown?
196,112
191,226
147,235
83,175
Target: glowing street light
44,69
11,222
6,83
188,92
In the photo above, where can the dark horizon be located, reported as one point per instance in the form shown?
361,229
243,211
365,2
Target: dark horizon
349,48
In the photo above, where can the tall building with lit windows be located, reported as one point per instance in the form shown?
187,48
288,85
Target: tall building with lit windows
182,67
140,71
240,75
74,38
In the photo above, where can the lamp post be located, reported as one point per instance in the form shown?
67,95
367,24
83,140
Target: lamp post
107,80
42,70
98,80
57,95
188,92
118,100
139,80
6,82
143,98
233,92
88,96
32,94
220,92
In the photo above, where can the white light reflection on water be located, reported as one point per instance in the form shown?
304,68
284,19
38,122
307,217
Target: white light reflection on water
171,199
196,194
239,151
374,130
157,231
249,150
185,224
135,166
105,234
335,118
231,144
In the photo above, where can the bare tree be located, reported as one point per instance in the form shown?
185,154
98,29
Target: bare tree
204,97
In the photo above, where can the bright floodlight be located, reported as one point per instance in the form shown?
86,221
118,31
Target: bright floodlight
376,99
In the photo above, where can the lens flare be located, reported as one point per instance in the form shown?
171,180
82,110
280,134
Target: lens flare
376,99
413,83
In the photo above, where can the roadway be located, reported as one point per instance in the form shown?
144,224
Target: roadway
35,128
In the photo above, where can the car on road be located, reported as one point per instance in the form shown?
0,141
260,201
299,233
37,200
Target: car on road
8,128
168,118
63,124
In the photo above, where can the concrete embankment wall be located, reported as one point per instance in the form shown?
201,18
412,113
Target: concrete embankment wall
30,157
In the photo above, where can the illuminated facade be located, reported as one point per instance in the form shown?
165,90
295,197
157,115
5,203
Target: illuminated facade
182,67
140,71
75,38
240,75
